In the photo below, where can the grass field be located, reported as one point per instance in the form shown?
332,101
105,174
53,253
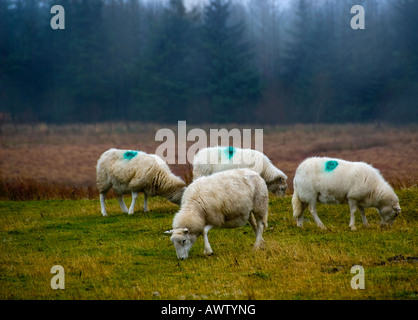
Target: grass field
34,158
129,257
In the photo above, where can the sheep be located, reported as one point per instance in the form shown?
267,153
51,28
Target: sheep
136,171
223,200
331,180
216,159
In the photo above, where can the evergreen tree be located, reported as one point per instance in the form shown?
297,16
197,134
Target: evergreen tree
164,85
321,89
156,61
362,71
86,64
232,85
400,100
25,65
298,61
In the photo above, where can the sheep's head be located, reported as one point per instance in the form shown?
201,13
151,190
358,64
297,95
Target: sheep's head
183,241
278,186
388,213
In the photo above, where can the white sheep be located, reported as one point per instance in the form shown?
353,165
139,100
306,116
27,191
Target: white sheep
330,180
128,171
223,200
217,159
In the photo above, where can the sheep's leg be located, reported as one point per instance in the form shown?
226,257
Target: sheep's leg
132,207
253,222
298,209
299,222
353,209
312,208
260,214
145,202
122,204
208,250
259,241
301,215
363,217
102,204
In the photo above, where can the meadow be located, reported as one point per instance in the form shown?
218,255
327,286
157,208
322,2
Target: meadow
50,215
49,161
130,257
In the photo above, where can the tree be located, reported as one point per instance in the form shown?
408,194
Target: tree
298,61
25,67
165,87
401,96
232,86
86,65
264,20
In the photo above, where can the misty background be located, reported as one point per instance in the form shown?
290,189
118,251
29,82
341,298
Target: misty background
266,62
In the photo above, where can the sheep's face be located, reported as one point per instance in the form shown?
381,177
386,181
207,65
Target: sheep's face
278,186
388,213
183,241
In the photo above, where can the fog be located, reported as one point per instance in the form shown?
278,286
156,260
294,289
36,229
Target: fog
270,62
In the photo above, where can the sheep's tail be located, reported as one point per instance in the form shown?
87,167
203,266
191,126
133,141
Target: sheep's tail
296,203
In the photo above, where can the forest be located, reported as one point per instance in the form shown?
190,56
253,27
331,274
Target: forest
214,61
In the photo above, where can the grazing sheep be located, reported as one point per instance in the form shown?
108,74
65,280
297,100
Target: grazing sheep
129,171
223,200
216,159
329,180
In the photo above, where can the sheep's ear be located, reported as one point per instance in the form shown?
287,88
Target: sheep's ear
169,231
282,180
186,231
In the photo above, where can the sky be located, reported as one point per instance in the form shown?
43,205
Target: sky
192,3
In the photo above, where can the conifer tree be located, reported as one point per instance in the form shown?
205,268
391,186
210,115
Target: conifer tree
232,85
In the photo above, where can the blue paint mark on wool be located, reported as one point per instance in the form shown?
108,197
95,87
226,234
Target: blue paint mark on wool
230,151
128,155
330,165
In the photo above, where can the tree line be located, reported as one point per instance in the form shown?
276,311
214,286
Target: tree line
220,61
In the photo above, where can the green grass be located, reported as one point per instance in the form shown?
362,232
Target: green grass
129,257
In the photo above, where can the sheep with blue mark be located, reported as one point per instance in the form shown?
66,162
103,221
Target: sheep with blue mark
129,171
216,159
333,181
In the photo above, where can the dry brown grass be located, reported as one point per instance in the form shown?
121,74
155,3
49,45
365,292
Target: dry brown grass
30,189
45,161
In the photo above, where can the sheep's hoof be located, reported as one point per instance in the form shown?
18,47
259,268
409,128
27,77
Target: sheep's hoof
130,212
322,227
384,225
353,228
104,214
207,254
259,246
